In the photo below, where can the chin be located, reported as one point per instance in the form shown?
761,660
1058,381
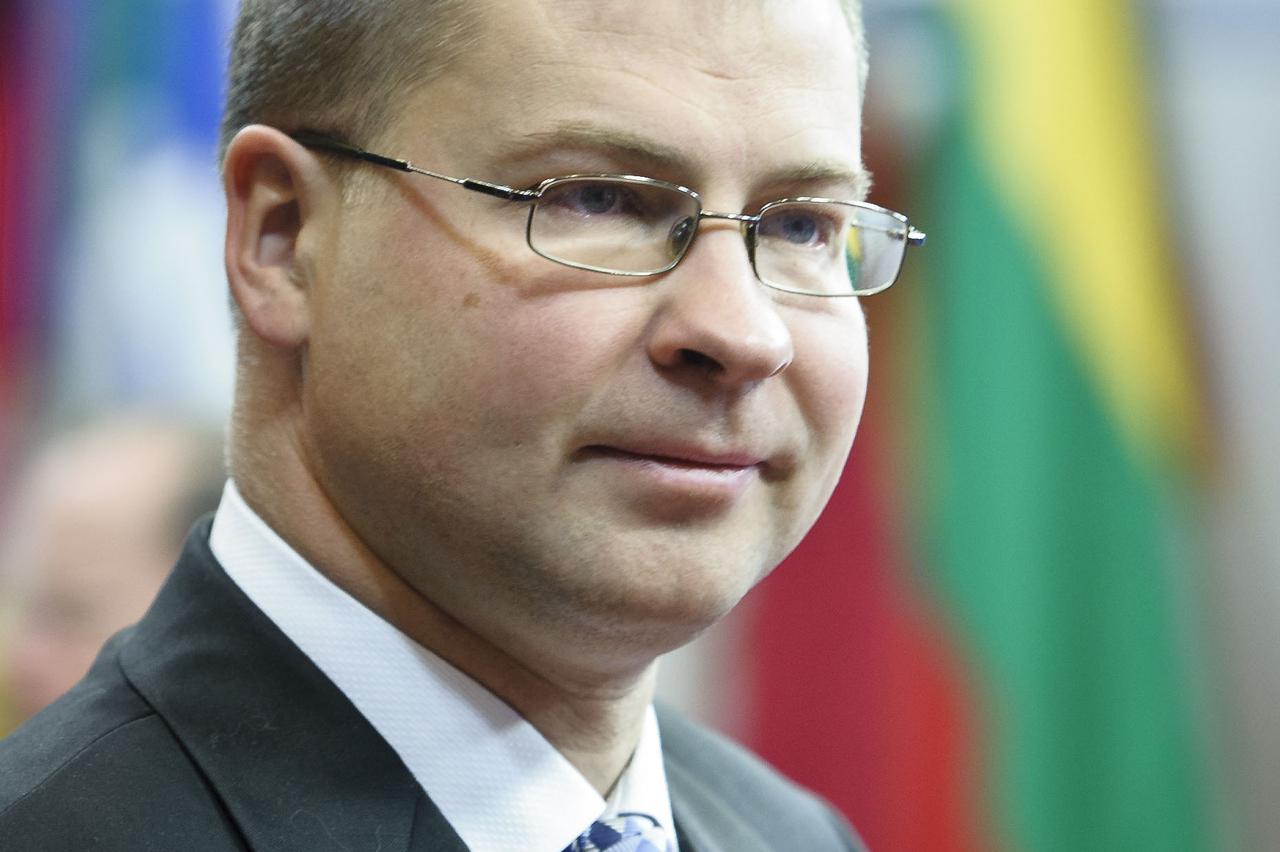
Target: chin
681,593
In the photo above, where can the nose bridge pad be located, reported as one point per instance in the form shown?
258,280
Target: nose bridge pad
680,235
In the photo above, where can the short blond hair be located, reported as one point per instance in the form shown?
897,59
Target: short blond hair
341,65
334,64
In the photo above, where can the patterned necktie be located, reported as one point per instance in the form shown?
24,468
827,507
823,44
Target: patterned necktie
623,833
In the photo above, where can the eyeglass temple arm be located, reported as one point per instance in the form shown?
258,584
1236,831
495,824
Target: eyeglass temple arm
327,143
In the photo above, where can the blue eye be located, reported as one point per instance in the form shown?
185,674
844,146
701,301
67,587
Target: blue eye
597,198
799,229
795,227
591,199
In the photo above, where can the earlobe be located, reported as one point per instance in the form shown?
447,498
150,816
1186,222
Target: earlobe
270,183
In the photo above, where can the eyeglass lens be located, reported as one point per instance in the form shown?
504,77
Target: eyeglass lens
612,224
615,224
828,247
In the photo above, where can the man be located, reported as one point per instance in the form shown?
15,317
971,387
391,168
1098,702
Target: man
91,534
509,425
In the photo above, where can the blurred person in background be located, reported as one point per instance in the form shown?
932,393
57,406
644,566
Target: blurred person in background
92,530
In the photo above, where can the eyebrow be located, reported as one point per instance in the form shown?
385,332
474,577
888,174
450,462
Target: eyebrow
630,147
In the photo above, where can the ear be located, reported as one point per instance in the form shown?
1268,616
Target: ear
275,189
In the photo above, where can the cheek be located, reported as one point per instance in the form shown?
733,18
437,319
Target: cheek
829,382
549,357
831,367
542,341
471,358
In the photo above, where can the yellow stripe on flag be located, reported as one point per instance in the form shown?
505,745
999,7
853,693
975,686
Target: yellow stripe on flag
1063,120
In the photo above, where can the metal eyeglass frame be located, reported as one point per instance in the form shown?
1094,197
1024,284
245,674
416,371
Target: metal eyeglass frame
910,235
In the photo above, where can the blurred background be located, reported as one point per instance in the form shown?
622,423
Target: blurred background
1040,612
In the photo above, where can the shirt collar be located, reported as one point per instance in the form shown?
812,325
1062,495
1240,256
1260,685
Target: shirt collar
496,779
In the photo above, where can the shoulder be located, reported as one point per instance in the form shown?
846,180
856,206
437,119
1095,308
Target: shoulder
100,768
709,773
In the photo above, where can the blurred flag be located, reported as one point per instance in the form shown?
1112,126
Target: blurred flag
14,221
1033,680
120,296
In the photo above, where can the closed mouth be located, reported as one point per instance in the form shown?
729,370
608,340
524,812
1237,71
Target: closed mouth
689,458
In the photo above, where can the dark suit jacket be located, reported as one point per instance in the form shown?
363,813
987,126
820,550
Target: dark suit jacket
205,728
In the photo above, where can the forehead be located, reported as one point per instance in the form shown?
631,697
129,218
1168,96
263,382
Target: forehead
734,84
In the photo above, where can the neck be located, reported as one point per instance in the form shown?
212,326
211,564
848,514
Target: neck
593,717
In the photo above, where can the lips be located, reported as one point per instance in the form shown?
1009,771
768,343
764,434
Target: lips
691,457
675,482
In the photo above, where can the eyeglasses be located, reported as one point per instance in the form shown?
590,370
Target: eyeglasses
637,226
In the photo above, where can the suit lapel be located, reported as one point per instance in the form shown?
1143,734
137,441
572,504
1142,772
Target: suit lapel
295,764
705,822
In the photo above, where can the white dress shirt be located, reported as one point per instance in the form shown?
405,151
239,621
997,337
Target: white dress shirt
496,779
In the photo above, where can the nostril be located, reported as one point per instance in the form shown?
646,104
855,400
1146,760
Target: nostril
694,358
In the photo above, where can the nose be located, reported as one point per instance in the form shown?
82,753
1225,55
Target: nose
716,320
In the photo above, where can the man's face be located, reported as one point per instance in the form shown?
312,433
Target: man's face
535,447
